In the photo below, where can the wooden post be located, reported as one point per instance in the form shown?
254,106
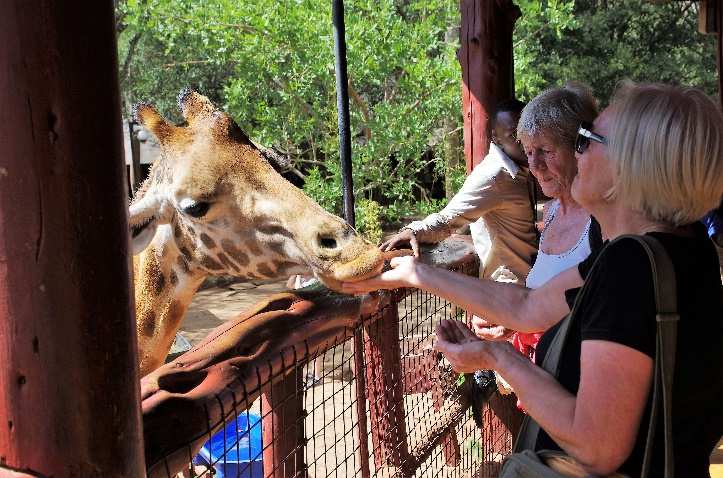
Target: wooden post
487,64
719,30
68,367
486,57
362,429
385,390
282,425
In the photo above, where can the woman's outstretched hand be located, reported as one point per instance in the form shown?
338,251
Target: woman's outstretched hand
465,351
402,274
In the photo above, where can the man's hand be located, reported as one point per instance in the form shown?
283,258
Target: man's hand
489,331
405,236
464,350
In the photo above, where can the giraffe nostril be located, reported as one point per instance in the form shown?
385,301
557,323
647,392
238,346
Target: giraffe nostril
327,242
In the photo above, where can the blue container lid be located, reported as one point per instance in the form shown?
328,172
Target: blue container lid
239,441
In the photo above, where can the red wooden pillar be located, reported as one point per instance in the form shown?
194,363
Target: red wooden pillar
385,390
487,68
486,57
282,425
719,34
69,387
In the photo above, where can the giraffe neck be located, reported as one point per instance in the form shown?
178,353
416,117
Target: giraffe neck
164,288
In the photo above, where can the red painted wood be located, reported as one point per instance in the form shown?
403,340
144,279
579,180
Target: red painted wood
450,444
467,13
385,390
486,59
361,405
282,425
719,27
70,396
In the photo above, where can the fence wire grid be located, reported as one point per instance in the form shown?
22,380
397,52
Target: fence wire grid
419,417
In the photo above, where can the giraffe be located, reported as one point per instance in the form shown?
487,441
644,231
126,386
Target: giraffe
212,204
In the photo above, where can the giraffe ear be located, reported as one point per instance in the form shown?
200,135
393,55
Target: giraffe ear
143,220
147,115
194,105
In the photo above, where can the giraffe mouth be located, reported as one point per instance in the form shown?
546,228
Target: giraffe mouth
365,266
137,229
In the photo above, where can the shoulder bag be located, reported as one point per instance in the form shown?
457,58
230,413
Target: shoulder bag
526,463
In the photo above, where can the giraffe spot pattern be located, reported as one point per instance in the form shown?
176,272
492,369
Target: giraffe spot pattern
186,253
274,229
148,322
211,264
223,259
183,263
175,311
283,266
254,249
241,258
277,247
263,269
207,241
159,283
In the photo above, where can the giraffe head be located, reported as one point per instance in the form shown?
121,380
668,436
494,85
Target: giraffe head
216,201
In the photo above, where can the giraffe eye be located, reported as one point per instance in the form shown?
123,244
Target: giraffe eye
193,208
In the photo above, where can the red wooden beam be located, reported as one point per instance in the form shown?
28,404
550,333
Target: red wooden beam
487,68
68,368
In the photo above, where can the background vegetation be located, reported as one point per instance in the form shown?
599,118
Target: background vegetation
269,63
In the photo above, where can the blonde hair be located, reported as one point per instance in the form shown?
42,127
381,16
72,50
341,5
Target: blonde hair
667,146
556,113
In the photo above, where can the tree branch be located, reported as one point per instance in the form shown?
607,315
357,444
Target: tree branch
125,71
363,106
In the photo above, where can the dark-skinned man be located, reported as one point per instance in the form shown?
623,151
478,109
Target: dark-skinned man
497,197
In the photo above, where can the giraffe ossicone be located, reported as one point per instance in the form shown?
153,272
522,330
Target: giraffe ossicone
212,204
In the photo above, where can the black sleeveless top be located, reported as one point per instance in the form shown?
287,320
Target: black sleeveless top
621,308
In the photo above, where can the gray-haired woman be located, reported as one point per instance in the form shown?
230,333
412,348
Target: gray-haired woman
547,129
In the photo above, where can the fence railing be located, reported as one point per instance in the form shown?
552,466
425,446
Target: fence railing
314,383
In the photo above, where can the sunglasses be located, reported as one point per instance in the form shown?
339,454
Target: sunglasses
584,135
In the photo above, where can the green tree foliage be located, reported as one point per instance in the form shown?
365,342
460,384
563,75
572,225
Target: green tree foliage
270,64
600,42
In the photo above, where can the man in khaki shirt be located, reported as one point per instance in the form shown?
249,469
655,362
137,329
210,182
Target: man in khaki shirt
498,196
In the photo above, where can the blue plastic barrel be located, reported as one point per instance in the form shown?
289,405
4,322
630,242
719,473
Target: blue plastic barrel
235,451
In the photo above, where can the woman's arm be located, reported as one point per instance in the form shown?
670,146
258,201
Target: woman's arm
509,305
598,427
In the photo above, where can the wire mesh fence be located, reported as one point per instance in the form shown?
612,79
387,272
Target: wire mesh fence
349,392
